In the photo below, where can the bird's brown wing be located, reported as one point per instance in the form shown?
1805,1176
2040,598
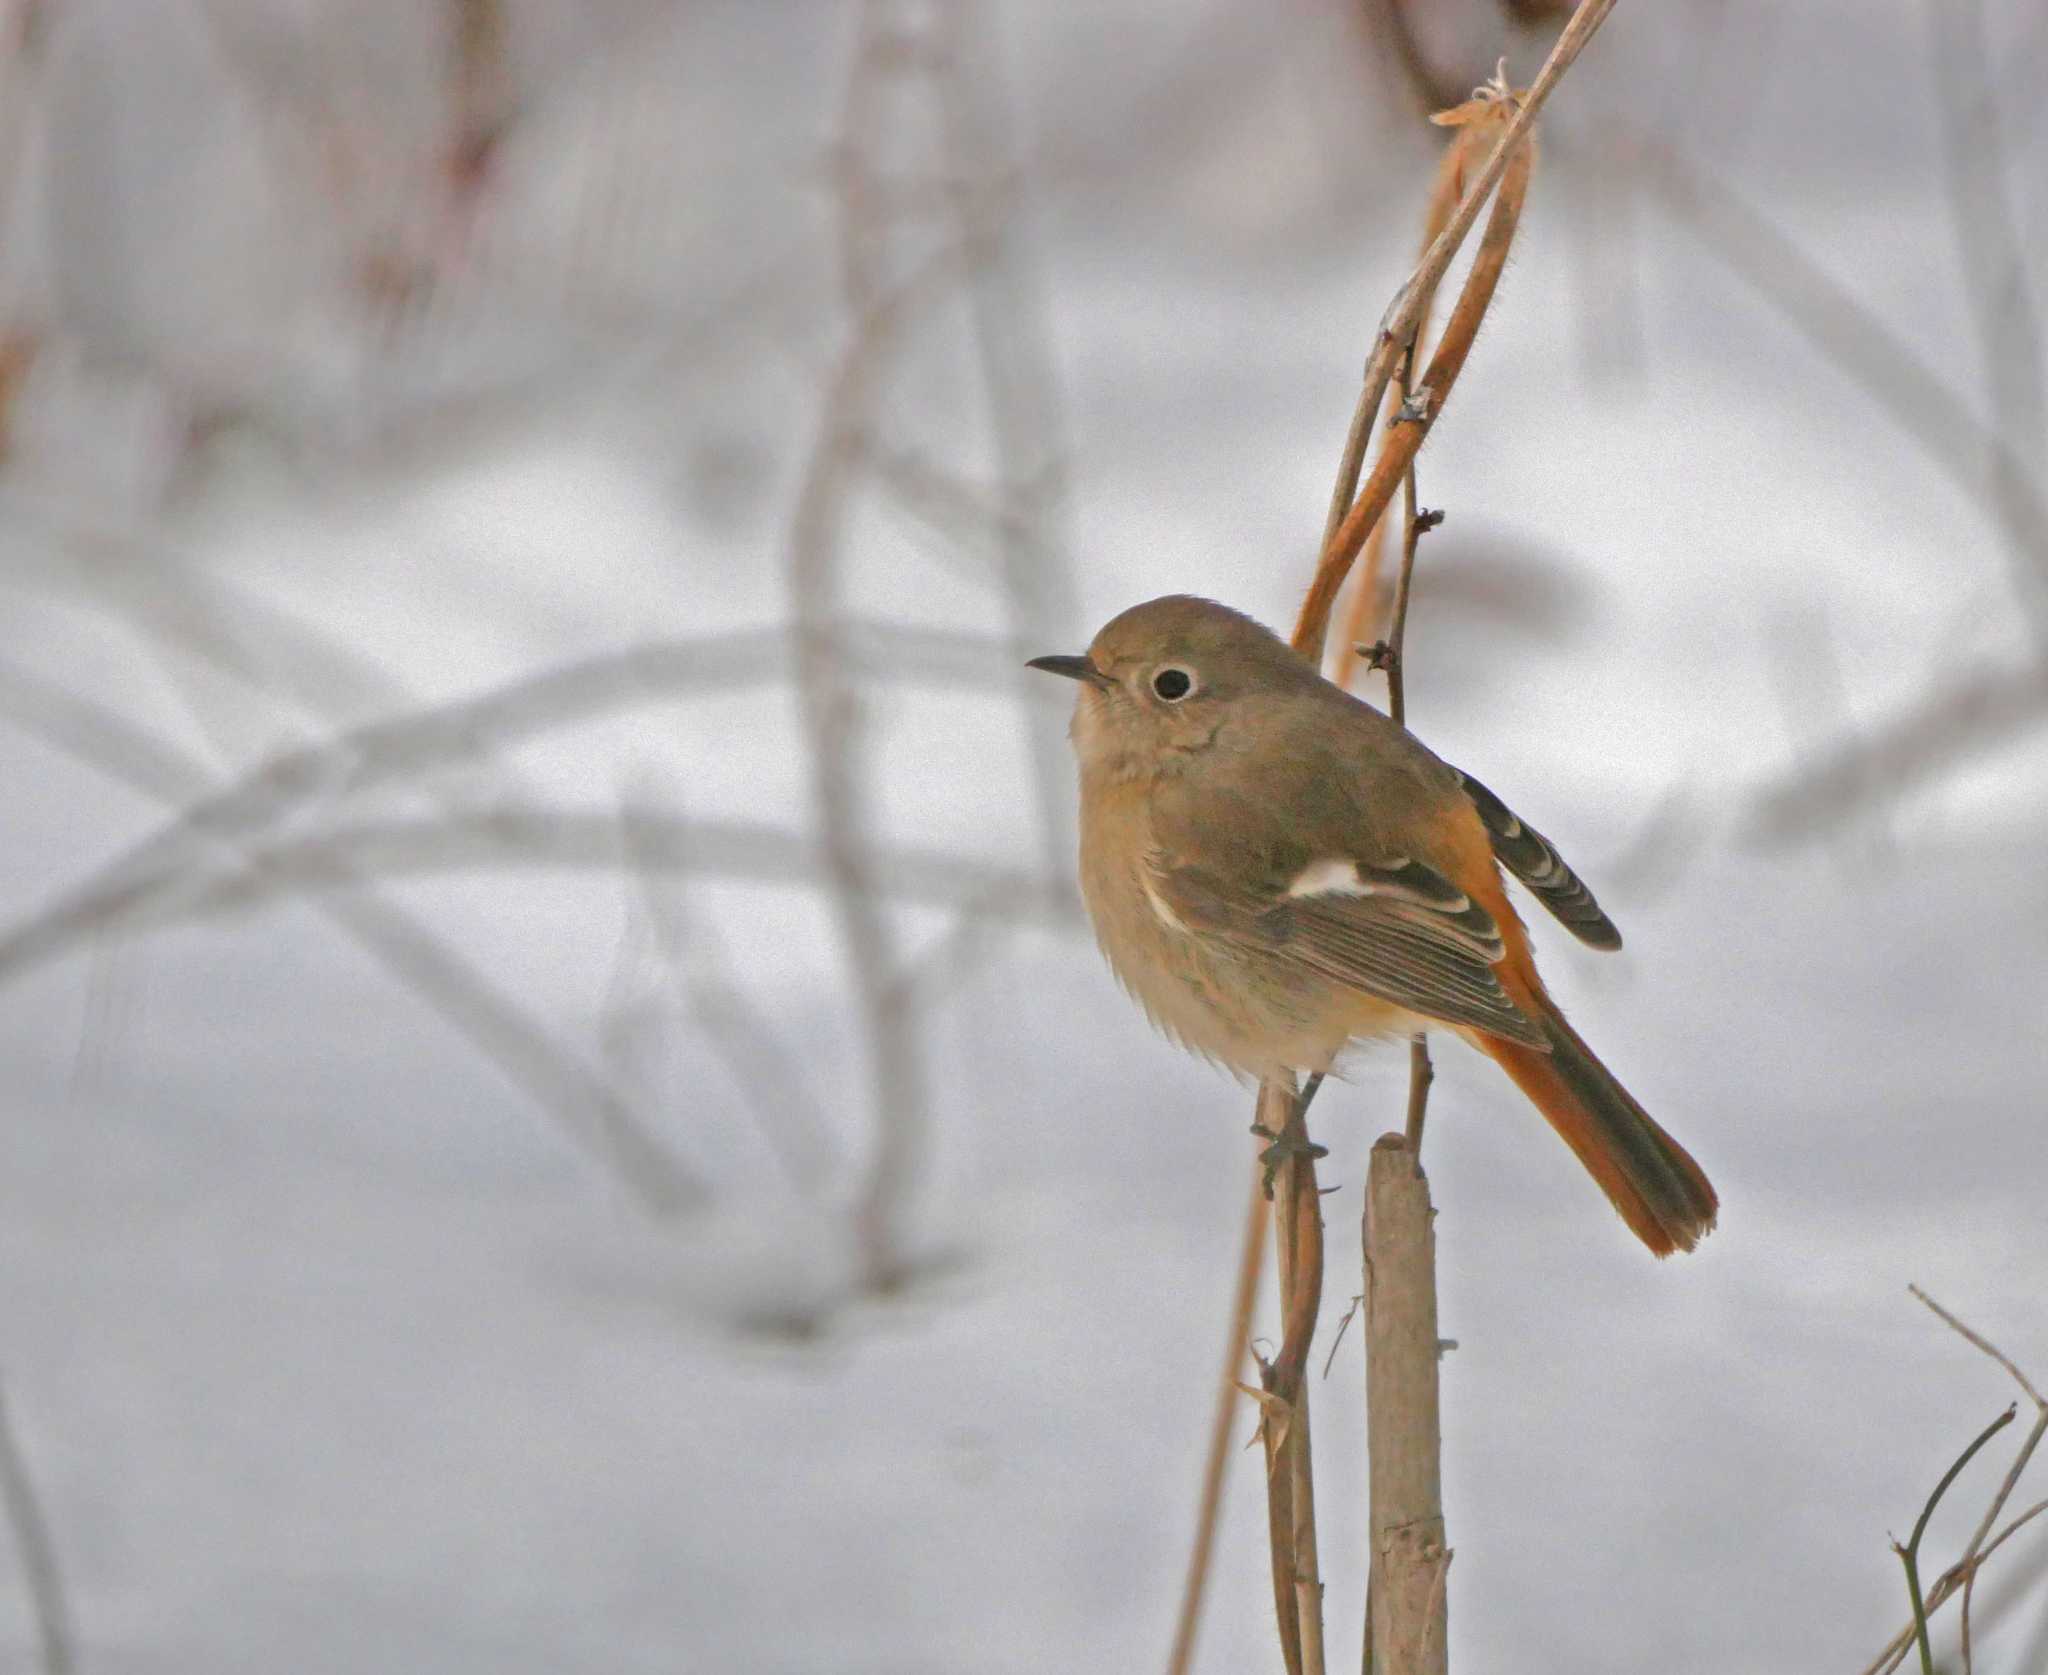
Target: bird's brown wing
1532,858
1395,929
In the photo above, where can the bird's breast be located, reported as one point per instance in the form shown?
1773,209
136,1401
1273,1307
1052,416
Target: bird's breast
1221,997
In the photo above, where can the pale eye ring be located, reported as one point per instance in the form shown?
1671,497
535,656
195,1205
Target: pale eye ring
1172,683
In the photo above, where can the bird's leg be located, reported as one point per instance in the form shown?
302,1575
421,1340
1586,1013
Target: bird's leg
1292,1140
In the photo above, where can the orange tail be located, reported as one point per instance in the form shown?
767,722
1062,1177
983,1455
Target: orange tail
1649,1177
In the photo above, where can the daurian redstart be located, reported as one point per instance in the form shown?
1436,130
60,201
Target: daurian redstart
1275,869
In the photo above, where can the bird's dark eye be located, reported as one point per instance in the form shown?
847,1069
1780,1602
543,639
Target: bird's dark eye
1173,684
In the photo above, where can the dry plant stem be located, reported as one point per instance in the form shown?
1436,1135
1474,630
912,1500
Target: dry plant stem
1961,1576
1407,436
2027,1448
1909,1554
1298,1225
1403,319
40,1572
1410,1557
1362,610
1298,1228
1421,1073
1250,1264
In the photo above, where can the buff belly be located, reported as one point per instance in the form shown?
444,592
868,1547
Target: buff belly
1259,1015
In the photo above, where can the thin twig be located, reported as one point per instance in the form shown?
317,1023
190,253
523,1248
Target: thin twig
1403,319
1909,1554
1421,1073
1419,416
1298,1227
2026,1452
1249,1265
1961,1576
1361,613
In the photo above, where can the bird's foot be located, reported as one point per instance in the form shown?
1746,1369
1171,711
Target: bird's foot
1289,1142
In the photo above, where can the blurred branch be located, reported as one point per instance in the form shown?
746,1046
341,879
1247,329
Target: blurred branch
584,1106
512,836
1432,90
766,1073
36,1551
1883,364
1969,716
898,52
380,752
1988,244
1027,441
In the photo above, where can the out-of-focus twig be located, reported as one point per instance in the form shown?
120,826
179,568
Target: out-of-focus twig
584,1106
399,747
37,1552
510,836
901,54
1991,251
764,1070
1012,348
1877,359
1244,1298
1969,714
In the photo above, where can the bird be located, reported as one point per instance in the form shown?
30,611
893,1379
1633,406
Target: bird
1275,870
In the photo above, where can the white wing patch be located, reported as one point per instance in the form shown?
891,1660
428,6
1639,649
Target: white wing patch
1329,878
1160,907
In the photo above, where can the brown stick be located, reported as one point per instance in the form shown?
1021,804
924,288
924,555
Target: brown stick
1249,1266
1419,417
1361,616
1398,329
1410,1559
1284,1423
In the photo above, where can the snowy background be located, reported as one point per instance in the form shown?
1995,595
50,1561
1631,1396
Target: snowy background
629,1163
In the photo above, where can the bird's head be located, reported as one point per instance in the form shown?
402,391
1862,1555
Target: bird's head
1159,682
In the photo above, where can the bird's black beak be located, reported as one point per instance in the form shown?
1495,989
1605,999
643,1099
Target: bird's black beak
1074,668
